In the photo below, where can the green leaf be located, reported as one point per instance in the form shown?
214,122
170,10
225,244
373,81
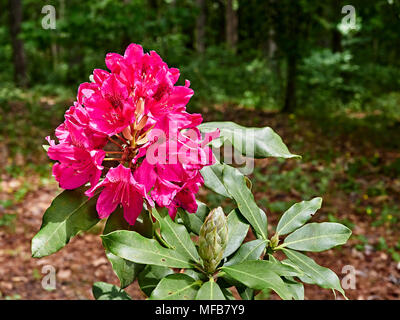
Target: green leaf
227,294
263,295
237,231
116,221
194,221
251,250
321,276
212,176
131,246
246,293
281,269
257,275
303,278
195,274
106,291
176,286
126,270
177,237
262,142
317,237
149,278
210,291
297,215
236,185
296,288
69,213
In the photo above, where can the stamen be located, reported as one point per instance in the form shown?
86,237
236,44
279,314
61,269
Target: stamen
122,139
115,142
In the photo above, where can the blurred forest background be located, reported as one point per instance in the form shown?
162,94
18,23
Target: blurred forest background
330,88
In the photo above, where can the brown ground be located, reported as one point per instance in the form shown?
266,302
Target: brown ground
83,262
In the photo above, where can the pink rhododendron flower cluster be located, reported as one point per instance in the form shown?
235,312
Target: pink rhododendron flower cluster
129,136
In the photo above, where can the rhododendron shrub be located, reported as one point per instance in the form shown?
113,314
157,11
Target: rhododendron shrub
130,155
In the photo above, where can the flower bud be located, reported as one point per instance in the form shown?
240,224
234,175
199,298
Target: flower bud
213,239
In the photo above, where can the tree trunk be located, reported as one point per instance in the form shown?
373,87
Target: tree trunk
20,77
272,47
336,35
201,26
291,75
231,25
271,43
153,4
336,40
295,27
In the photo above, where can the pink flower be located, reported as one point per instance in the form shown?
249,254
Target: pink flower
134,119
120,188
186,197
175,179
76,166
147,77
75,130
110,108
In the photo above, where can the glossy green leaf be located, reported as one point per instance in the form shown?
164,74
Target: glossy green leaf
236,185
251,142
116,221
280,268
176,286
296,288
246,293
194,221
227,294
212,176
272,258
149,278
134,247
250,250
321,276
195,274
317,237
177,236
69,213
210,290
255,275
297,215
106,291
237,231
303,278
263,295
126,270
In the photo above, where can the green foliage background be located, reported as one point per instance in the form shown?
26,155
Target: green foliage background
359,71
